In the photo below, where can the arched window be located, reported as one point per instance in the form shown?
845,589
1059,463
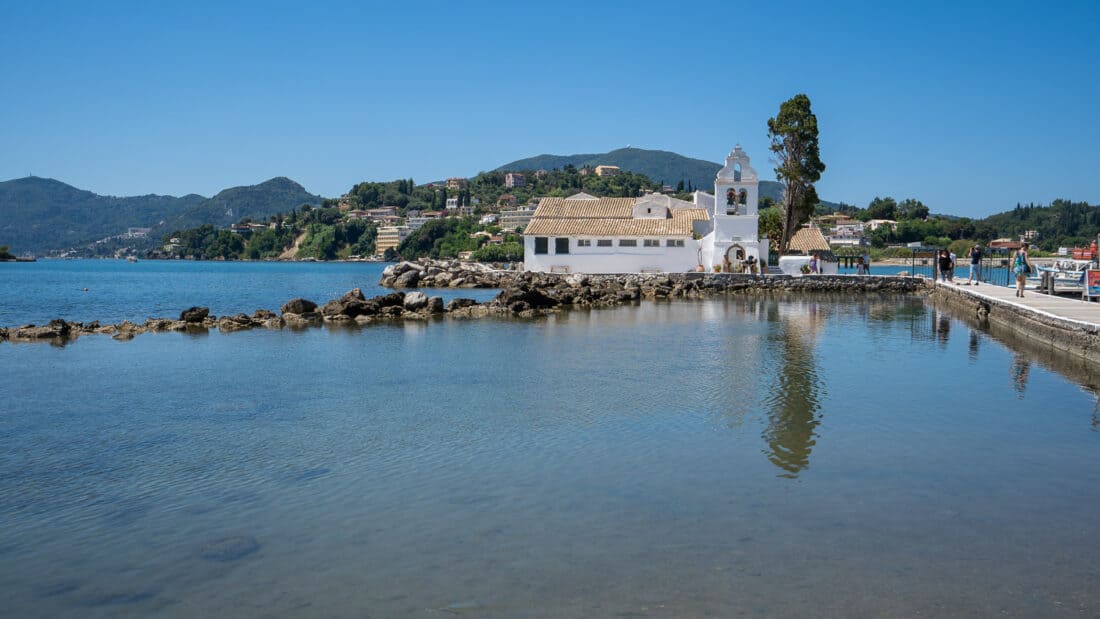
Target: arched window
737,172
742,197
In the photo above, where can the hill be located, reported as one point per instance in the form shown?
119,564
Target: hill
659,165
256,202
42,214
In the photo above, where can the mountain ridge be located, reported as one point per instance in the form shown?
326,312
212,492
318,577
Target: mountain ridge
40,214
659,165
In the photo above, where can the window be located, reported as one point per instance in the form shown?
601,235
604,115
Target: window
561,246
584,243
674,243
542,245
651,243
628,242
603,243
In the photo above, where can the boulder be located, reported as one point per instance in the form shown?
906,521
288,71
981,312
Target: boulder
408,279
57,328
416,301
194,314
435,305
389,300
532,296
298,306
353,295
261,315
459,303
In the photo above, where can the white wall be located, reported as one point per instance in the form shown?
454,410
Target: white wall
614,259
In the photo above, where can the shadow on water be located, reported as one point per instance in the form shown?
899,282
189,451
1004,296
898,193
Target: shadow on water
793,400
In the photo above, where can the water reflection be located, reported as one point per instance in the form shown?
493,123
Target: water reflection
793,400
1021,367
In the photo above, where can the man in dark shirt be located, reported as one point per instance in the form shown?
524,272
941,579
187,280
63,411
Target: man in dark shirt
975,265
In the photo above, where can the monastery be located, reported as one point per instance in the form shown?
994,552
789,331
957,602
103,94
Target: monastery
651,234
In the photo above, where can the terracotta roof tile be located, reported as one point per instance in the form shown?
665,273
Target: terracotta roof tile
607,217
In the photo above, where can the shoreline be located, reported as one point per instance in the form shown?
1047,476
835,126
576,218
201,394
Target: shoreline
524,295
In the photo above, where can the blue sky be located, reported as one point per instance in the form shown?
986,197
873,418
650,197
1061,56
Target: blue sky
970,107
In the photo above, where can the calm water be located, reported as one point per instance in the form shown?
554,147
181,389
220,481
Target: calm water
733,457
37,292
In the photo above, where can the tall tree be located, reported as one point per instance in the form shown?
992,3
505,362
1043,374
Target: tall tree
793,133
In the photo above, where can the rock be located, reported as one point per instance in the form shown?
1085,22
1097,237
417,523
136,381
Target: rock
388,300
355,294
435,305
416,301
298,306
194,314
158,324
263,315
408,279
459,303
533,297
57,328
229,548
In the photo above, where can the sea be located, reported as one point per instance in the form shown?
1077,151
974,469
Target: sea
743,456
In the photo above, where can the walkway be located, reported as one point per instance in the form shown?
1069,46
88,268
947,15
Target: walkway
1065,308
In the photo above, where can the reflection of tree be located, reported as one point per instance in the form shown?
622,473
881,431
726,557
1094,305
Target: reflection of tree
1021,366
793,398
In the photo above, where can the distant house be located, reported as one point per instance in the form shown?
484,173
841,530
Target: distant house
1004,243
540,173
379,213
358,214
452,203
516,219
514,179
137,233
389,237
608,170
585,171
242,229
875,224
456,184
506,199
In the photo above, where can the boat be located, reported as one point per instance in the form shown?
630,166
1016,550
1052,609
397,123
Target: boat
131,258
1068,274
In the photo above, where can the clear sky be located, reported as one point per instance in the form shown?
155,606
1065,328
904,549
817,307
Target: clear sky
968,106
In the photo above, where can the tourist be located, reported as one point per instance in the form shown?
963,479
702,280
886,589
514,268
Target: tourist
813,264
975,265
1021,267
750,265
726,264
944,264
951,273
860,267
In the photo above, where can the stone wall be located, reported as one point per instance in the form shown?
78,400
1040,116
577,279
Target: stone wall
1069,336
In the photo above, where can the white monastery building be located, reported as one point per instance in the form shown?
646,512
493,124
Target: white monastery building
651,234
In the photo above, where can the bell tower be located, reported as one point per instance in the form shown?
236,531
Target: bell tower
736,188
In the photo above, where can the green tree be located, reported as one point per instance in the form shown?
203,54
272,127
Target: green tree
794,136
883,208
912,209
770,224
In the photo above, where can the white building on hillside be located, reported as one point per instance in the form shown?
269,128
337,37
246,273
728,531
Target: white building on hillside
653,233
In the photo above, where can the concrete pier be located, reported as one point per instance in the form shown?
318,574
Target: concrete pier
1065,324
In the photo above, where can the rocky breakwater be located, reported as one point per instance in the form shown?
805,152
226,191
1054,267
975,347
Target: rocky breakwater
426,273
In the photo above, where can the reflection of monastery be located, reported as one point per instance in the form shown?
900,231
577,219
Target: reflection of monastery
654,233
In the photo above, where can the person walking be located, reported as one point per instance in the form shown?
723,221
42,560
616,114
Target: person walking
975,265
1021,267
944,264
951,273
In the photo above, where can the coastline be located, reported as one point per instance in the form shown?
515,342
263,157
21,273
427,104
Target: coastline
522,295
